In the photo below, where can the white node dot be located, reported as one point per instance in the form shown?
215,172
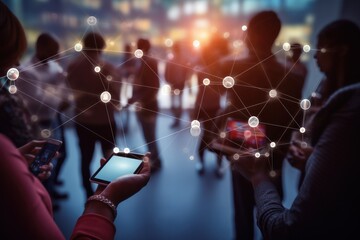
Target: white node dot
273,93
223,135
34,118
176,92
244,28
305,104
306,48
272,144
92,20
302,130
109,78
78,47
257,154
126,150
169,42
303,144
12,89
105,97
323,50
12,74
253,121
97,69
45,133
166,89
272,173
236,156
196,43
191,157
228,82
206,81
195,131
286,46
116,150
195,123
138,53
267,154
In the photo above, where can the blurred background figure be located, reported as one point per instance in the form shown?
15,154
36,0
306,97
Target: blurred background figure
176,74
96,94
297,65
208,100
146,88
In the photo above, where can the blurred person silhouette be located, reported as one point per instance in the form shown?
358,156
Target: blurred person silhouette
207,103
297,66
263,88
146,87
34,218
14,117
176,74
327,204
126,71
97,98
43,87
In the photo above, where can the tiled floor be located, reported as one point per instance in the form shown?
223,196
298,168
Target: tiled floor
177,203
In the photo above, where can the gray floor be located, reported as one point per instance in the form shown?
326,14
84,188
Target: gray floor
177,203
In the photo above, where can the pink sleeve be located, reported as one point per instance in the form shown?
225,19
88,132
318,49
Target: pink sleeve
93,226
24,203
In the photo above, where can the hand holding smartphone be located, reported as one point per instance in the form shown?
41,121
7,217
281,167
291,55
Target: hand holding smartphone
117,165
45,155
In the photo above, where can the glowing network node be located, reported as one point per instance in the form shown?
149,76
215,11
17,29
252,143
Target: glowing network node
272,144
92,20
323,50
236,156
222,134
303,144
196,43
169,42
253,121
166,89
138,53
12,89
226,35
34,118
206,81
247,134
116,150
97,69
267,154
257,154
126,150
195,131
306,48
305,104
177,92
286,46
191,157
302,130
272,173
45,133
78,47
105,97
195,123
244,28
12,74
228,82
273,93
109,78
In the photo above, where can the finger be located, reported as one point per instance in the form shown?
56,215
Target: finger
47,167
102,161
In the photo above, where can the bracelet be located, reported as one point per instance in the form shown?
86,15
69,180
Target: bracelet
104,200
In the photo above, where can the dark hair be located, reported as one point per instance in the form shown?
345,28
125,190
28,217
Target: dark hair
46,46
94,41
13,39
263,29
345,34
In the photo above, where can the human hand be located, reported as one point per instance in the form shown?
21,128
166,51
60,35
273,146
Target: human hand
30,150
298,154
125,186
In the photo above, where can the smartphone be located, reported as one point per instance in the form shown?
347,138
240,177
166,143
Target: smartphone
45,155
117,165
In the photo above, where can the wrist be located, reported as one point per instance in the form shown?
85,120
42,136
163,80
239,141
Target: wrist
101,205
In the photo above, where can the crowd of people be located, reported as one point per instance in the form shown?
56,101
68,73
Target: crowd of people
260,91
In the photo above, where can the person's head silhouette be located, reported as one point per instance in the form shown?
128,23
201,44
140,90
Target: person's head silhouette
262,30
47,47
94,42
143,44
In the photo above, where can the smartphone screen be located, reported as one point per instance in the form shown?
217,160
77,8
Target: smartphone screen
45,155
118,165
